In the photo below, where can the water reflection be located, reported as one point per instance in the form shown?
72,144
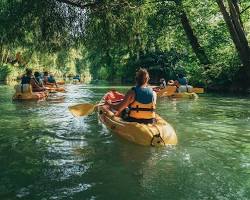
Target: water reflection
46,153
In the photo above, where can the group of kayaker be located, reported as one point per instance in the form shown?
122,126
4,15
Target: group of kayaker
181,84
36,86
37,81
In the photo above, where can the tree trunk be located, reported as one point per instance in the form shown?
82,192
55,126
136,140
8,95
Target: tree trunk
110,66
6,57
2,56
238,37
237,8
193,40
1,48
238,26
107,49
138,46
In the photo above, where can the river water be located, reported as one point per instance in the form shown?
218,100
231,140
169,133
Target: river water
47,154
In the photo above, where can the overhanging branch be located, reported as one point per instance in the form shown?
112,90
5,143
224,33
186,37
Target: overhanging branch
79,4
245,9
97,4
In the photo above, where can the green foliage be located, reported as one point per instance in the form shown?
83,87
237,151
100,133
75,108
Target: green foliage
103,73
114,38
159,64
5,71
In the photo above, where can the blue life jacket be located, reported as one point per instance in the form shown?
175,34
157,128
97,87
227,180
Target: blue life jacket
144,95
38,81
182,81
25,80
51,79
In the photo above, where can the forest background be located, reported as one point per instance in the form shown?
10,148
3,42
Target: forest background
206,40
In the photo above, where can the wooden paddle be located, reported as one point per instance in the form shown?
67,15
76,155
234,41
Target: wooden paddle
83,109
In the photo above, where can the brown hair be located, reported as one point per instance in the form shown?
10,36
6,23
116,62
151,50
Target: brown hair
28,72
141,77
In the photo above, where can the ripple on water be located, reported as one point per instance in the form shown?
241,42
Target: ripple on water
69,192
46,153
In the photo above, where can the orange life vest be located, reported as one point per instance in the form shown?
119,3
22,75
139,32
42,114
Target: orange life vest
143,107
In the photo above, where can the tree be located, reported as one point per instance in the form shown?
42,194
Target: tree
238,36
193,40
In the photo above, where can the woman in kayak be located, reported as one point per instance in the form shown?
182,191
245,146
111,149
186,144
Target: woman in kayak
162,85
49,79
29,79
140,101
38,79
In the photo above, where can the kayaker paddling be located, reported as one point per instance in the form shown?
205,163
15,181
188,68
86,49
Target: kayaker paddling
140,101
49,80
162,83
37,78
28,78
142,126
181,83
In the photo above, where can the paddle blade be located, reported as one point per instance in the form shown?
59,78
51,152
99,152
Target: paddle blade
82,109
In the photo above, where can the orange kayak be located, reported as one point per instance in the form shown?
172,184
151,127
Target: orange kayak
54,89
60,82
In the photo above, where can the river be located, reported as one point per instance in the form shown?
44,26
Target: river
47,154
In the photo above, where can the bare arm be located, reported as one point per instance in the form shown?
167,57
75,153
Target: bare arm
128,99
35,85
155,97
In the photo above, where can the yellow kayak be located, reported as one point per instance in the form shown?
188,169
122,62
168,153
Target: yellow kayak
52,88
166,92
170,91
24,92
160,133
190,95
